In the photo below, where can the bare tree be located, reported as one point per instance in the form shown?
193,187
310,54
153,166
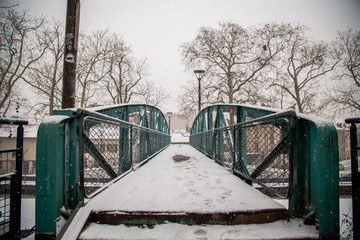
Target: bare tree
152,94
20,48
125,73
94,51
347,89
45,76
304,63
233,58
187,101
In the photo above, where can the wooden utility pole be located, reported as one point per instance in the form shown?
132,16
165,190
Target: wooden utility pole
70,54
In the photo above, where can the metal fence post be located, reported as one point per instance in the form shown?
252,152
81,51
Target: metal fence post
131,146
355,176
15,201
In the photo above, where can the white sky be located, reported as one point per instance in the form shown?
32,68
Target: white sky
155,28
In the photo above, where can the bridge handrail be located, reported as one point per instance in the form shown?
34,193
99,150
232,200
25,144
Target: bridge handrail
284,119
95,116
105,117
312,155
61,171
264,119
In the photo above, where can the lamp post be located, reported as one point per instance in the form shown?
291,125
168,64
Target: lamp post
169,114
199,74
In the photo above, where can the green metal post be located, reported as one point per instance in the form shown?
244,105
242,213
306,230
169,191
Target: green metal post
124,146
143,142
220,137
49,175
241,164
315,183
209,136
324,178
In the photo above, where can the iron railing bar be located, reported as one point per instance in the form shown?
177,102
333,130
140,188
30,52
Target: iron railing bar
352,120
96,115
9,150
11,121
6,176
247,124
127,124
273,116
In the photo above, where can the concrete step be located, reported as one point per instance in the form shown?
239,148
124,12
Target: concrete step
293,229
190,218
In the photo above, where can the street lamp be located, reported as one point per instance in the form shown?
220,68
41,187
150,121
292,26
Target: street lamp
199,74
169,114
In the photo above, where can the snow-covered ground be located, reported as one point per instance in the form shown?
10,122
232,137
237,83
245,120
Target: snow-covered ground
28,219
180,137
181,179
27,213
276,230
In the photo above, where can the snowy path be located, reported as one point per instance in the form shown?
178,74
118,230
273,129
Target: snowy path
181,179
178,180
294,229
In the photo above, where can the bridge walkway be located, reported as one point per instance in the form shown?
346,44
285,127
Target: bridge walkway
182,194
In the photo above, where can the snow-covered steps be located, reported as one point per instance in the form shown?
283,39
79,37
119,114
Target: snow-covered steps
214,217
294,229
182,189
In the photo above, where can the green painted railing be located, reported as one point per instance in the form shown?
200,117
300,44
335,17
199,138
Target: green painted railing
80,152
291,155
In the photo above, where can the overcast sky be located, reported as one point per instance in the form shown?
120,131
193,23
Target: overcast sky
155,28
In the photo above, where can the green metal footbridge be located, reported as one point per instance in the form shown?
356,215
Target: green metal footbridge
100,168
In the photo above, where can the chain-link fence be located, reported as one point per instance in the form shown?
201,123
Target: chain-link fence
258,153
111,148
5,203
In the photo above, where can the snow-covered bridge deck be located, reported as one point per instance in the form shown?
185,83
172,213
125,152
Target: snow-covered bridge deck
183,186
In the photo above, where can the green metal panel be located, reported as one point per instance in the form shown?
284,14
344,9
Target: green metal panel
49,173
57,170
324,177
316,175
73,168
299,190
